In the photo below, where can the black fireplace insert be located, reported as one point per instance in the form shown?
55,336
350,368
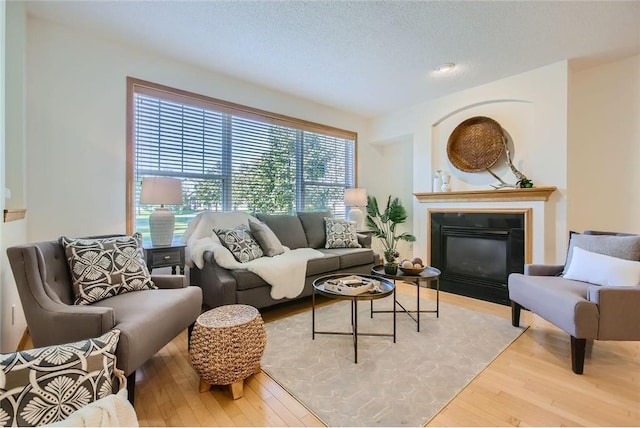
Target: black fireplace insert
476,252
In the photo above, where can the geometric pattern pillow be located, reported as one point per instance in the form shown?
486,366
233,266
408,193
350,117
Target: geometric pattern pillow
341,233
240,242
45,385
106,267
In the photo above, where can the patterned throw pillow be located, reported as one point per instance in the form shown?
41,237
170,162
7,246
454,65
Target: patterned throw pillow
341,233
102,268
240,242
45,385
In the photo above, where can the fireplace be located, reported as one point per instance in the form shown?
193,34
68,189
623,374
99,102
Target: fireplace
476,251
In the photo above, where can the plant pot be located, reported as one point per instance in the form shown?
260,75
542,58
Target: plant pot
391,269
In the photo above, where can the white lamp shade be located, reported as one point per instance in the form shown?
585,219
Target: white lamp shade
161,191
355,197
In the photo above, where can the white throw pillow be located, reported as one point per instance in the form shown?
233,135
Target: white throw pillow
601,269
623,247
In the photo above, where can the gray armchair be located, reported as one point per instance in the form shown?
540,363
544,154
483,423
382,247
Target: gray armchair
148,319
585,311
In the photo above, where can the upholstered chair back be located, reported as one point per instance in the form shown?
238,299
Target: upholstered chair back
55,271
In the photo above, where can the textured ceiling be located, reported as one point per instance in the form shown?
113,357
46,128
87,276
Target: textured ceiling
366,57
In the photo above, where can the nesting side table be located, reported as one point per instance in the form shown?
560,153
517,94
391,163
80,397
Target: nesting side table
427,275
387,288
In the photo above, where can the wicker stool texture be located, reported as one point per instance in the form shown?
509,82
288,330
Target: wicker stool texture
227,345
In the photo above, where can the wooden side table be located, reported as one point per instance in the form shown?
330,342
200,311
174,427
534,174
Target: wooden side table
157,257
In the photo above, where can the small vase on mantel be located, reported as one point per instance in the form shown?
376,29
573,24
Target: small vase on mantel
436,181
446,179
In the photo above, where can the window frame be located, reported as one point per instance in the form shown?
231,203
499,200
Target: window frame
135,85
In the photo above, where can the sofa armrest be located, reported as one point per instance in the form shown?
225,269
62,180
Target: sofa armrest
218,286
364,239
618,309
169,281
542,270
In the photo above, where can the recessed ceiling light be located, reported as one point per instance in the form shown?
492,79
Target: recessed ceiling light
448,66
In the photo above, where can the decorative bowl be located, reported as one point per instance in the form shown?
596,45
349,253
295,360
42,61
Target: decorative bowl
411,271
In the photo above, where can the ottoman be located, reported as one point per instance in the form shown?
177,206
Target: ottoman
227,345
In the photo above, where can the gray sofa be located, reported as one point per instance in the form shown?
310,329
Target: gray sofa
222,286
148,319
583,310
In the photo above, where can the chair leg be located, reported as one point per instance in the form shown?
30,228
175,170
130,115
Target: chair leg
578,347
515,314
131,387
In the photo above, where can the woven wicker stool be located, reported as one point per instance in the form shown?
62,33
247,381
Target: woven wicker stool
227,345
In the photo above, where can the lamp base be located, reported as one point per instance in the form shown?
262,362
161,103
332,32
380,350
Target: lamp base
161,225
356,214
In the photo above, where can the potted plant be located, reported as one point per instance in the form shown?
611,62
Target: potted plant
383,225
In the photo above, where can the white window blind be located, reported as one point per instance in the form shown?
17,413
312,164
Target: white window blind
235,158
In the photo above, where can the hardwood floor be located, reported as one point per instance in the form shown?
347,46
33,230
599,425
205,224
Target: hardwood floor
529,384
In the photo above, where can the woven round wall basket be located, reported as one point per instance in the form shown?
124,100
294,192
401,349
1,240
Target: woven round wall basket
476,144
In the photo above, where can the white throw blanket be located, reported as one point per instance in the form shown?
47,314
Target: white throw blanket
285,273
112,411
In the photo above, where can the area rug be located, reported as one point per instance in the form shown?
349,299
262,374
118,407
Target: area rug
393,384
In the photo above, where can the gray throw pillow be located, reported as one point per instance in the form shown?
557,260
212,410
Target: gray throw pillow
287,228
106,267
240,242
268,241
622,247
341,233
314,227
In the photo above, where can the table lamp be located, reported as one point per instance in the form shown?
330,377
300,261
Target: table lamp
161,191
356,198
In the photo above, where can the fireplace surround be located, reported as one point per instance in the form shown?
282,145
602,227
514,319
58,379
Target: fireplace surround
477,250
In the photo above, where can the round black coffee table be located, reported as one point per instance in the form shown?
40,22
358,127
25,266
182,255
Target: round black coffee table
427,275
387,288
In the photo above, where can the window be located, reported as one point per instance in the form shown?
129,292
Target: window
231,157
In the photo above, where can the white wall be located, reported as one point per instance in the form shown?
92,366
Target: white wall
394,170
76,99
604,147
531,107
12,233
2,138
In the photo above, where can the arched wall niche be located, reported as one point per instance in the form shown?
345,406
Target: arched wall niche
517,120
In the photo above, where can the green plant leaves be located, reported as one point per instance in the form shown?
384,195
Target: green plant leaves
383,225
